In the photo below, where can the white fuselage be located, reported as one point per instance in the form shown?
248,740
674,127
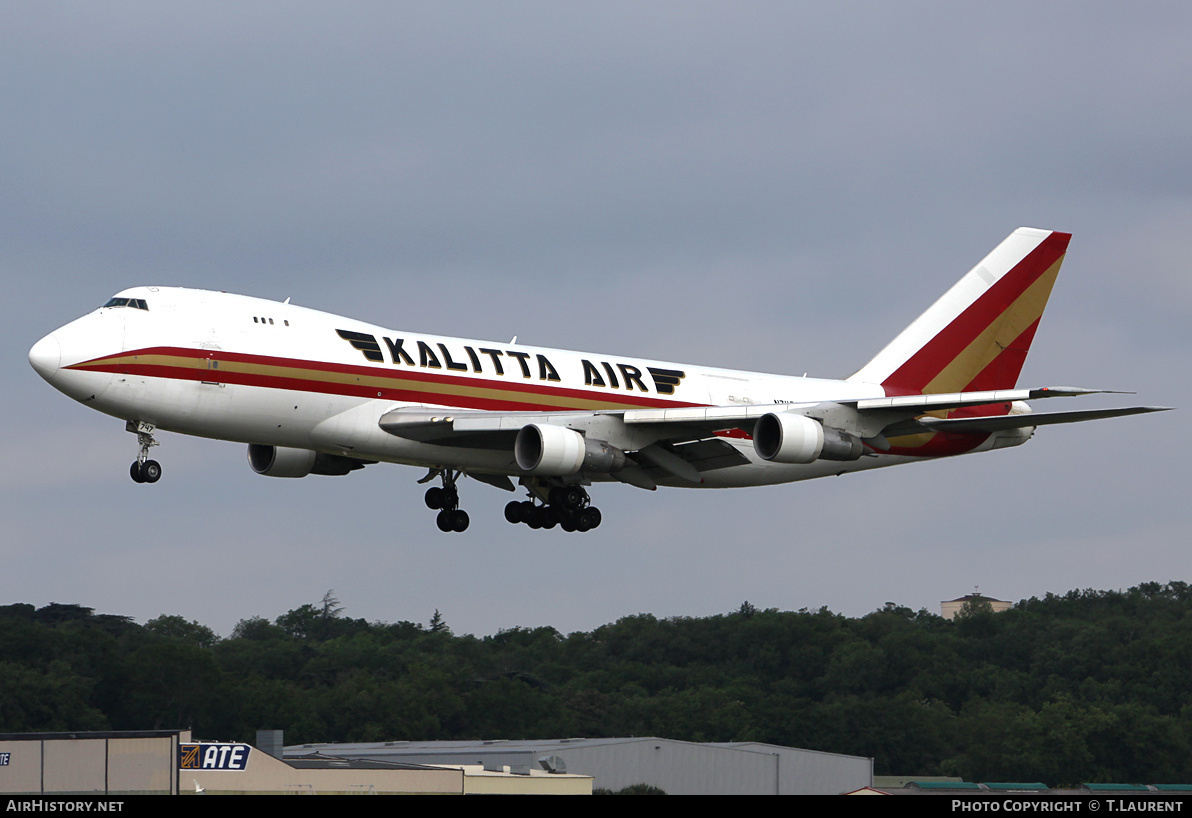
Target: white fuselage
245,369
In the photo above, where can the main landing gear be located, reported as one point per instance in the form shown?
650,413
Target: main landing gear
144,470
567,507
446,499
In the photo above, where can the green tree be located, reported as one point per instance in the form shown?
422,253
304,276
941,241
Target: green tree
178,628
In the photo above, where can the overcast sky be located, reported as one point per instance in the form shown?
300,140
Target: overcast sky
771,186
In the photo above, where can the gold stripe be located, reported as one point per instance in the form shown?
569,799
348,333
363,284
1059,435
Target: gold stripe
911,441
396,381
373,382
999,335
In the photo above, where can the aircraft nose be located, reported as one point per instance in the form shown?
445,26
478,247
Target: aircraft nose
46,356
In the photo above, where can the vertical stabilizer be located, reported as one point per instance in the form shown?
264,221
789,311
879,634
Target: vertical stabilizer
977,335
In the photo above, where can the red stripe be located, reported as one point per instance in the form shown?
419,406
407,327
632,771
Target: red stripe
936,354
1003,371
403,393
942,444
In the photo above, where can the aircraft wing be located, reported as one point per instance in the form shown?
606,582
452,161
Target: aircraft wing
677,449
870,416
683,441
469,428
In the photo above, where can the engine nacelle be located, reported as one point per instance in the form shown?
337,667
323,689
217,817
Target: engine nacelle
279,461
786,438
549,450
782,437
555,451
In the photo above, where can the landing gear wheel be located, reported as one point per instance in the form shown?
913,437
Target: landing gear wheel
446,498
567,507
572,496
591,515
452,519
143,470
151,471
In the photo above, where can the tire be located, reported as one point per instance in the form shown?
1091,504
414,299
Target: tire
513,512
135,472
573,496
151,471
459,520
444,522
587,519
594,516
434,497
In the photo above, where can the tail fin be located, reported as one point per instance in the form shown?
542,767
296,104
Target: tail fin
977,335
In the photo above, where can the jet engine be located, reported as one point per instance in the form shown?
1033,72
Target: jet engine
783,437
555,451
279,461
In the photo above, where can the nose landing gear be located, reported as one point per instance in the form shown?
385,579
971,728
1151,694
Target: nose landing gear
144,470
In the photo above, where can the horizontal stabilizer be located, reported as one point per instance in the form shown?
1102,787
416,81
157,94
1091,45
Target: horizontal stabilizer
994,424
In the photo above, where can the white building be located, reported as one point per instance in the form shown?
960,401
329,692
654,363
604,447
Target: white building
676,767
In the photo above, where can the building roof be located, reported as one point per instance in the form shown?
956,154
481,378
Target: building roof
322,761
977,597
524,745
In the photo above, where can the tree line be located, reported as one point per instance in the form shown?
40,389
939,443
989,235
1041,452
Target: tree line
1085,686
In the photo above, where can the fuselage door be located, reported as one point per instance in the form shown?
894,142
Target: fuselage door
211,359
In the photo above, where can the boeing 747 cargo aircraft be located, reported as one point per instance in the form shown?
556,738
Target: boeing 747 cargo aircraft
316,393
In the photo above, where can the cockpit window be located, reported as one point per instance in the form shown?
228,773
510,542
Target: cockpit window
136,303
